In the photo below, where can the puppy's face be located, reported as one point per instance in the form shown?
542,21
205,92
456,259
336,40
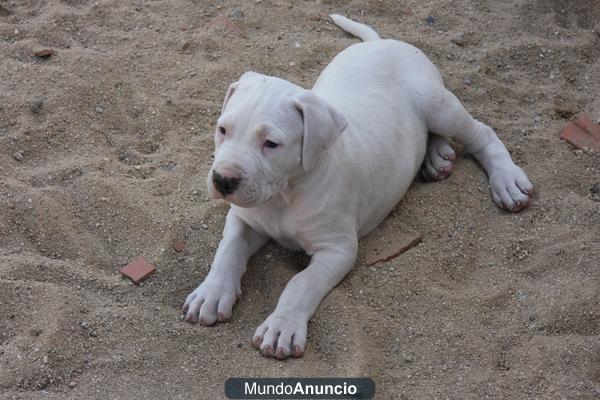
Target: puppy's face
258,141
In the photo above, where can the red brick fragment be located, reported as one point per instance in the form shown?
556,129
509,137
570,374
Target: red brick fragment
178,246
399,246
43,53
578,135
138,270
587,125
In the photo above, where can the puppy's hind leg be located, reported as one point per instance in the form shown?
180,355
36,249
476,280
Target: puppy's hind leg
447,117
439,161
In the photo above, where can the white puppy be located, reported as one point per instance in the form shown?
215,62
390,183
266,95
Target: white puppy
317,169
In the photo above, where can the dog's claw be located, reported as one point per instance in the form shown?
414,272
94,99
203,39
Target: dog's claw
280,354
297,352
266,351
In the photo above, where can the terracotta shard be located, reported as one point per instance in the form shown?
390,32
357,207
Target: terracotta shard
227,24
386,249
138,270
43,53
583,134
587,125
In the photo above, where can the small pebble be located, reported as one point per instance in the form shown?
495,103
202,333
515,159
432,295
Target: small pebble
45,360
36,104
459,39
240,345
83,324
467,81
430,20
137,110
596,188
18,156
93,333
99,109
179,246
71,384
236,13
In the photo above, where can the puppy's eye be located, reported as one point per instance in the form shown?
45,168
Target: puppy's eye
222,130
270,144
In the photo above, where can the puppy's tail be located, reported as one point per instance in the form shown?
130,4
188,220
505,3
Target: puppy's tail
361,31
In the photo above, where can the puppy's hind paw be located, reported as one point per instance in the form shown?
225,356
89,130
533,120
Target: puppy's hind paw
439,159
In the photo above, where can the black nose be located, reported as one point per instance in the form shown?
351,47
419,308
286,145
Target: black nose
224,184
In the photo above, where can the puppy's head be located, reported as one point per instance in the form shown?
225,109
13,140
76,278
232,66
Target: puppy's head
270,132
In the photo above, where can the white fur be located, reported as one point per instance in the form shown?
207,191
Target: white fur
348,151
361,31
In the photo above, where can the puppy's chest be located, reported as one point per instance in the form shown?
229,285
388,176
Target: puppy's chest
284,226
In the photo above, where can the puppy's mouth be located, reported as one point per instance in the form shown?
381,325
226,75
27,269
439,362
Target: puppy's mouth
242,197
251,199
244,203
248,193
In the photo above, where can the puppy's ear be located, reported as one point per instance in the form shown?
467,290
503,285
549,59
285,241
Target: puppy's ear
233,87
230,92
323,125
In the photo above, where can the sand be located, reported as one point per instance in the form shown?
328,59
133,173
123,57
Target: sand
113,164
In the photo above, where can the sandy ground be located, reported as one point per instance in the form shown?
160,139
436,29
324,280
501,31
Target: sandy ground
489,305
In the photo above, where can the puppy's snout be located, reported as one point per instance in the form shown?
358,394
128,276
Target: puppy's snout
225,182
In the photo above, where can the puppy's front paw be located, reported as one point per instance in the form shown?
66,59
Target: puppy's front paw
211,301
511,189
281,335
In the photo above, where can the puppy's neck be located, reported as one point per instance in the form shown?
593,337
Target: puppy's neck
306,181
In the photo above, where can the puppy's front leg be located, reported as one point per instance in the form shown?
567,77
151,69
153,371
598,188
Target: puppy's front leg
215,297
284,332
